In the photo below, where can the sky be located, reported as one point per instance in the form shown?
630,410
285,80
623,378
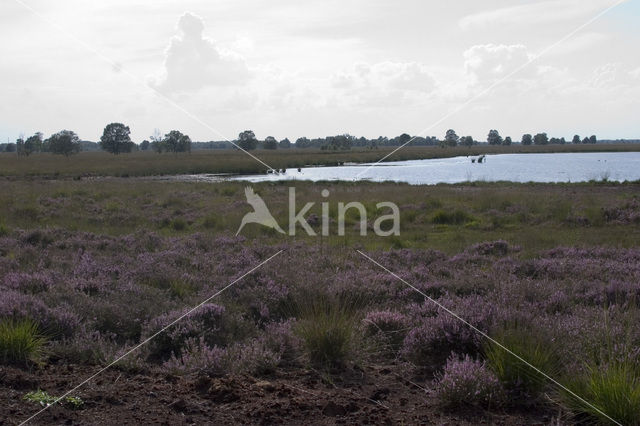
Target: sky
287,68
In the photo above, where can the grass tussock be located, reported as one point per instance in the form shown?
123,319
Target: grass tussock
516,374
327,328
20,342
610,392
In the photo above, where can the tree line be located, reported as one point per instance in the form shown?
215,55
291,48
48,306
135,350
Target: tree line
116,140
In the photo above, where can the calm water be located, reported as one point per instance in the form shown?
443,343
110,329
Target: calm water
569,167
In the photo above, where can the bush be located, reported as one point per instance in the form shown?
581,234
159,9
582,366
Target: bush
207,323
468,382
532,347
388,326
456,217
430,344
326,328
198,356
20,342
614,389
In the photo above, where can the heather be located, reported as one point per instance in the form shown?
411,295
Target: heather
93,296
89,270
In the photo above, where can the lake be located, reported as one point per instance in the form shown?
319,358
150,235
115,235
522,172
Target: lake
558,167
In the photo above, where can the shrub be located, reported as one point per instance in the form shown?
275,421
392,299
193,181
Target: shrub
254,357
326,328
178,224
612,389
456,217
4,230
198,356
533,348
20,342
389,326
468,382
207,323
279,338
429,344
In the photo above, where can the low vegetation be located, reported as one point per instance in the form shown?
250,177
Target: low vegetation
550,271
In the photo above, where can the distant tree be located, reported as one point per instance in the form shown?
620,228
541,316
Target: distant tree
20,145
270,143
303,142
593,139
466,141
507,141
554,141
451,138
33,143
247,140
285,143
586,140
563,141
65,142
157,142
115,139
404,138
144,145
10,147
541,139
494,138
576,139
175,142
527,139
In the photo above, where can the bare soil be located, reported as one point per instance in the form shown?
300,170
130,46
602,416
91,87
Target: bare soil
378,395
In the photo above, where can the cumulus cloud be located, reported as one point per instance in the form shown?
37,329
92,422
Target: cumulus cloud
615,75
385,82
193,61
490,62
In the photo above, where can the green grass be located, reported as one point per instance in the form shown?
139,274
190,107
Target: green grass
234,161
20,342
532,348
533,216
613,389
327,328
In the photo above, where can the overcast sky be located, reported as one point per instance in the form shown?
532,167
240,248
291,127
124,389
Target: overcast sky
313,68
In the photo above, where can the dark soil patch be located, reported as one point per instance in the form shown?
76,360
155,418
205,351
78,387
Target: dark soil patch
380,395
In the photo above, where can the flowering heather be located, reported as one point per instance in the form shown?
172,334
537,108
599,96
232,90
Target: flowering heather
94,295
197,356
465,381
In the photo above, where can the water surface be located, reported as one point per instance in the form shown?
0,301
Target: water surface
555,167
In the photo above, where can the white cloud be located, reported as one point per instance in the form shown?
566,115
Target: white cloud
533,13
193,61
490,62
384,82
615,75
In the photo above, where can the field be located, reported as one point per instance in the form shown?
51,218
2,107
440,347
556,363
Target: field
234,161
318,333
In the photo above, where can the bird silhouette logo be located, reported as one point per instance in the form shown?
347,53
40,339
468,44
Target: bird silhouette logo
260,213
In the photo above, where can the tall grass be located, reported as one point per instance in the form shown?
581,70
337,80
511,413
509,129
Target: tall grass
327,328
611,380
20,342
533,348
612,389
